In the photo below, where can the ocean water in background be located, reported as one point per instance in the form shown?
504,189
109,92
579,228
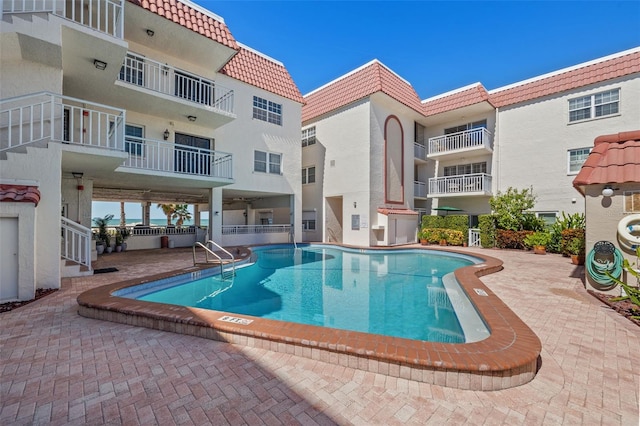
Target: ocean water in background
156,222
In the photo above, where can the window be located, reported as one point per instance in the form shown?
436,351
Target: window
308,220
267,111
267,162
309,136
308,175
468,126
465,169
594,106
577,157
418,133
132,70
549,218
133,142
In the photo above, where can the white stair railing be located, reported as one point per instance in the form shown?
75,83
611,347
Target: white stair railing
76,242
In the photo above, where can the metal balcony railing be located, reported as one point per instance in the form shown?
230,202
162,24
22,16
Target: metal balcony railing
47,116
105,16
474,138
461,184
255,229
419,189
163,78
149,154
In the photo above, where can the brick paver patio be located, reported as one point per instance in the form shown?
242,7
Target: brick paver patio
60,368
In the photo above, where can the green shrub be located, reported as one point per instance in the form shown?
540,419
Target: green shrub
487,225
507,239
540,238
435,235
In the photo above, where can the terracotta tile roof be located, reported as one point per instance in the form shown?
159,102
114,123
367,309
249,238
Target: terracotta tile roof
253,68
190,18
387,211
365,81
591,73
614,159
464,97
19,194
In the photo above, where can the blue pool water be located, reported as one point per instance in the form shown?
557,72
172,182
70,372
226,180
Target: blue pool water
393,292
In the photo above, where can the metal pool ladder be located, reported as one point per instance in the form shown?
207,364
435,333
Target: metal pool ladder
224,273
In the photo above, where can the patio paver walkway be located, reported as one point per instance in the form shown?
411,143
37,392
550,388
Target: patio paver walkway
60,368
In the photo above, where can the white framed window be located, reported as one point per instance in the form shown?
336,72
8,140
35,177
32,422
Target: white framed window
596,105
465,169
576,158
133,143
267,162
309,136
309,220
308,175
467,126
549,218
268,111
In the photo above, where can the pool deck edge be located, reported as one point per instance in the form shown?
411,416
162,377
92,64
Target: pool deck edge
507,358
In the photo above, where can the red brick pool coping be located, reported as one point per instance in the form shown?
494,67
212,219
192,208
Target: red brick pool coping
507,358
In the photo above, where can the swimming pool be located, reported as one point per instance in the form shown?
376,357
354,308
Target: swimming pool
508,357
399,293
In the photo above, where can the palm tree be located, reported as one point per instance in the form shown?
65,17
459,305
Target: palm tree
168,210
181,213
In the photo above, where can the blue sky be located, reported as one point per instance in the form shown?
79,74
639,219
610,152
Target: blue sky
436,46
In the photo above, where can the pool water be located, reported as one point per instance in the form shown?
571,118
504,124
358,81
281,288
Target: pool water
391,292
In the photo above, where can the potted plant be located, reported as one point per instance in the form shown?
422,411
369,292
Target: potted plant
103,238
423,236
538,241
124,234
443,237
576,249
118,242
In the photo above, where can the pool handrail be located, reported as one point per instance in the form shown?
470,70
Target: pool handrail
208,251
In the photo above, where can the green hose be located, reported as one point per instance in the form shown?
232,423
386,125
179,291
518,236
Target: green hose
597,269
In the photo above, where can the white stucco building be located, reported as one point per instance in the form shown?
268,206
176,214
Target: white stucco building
456,149
126,101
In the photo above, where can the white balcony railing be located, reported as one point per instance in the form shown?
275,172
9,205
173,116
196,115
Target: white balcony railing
162,78
76,242
474,138
47,116
255,229
162,156
419,189
419,151
461,184
105,16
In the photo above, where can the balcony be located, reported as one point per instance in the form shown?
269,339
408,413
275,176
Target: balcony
461,185
475,140
149,75
105,16
44,116
419,151
419,189
149,154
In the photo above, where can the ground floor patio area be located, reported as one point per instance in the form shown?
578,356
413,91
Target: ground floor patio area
57,367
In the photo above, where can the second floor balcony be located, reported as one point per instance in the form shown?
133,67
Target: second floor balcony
419,189
460,185
419,152
149,76
474,140
105,16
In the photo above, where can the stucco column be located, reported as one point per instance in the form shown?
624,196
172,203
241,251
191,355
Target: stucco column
215,221
146,213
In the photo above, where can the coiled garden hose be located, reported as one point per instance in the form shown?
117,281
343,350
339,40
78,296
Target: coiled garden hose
598,270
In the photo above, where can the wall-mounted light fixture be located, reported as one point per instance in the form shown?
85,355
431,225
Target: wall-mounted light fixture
216,213
101,65
78,177
166,134
150,32
607,191
192,118
355,204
